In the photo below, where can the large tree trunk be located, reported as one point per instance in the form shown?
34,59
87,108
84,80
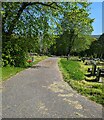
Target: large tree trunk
68,53
72,39
70,43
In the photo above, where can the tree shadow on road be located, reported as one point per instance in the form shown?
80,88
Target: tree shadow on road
39,66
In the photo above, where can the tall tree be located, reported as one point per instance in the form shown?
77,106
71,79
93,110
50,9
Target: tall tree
13,11
76,25
26,20
22,23
97,47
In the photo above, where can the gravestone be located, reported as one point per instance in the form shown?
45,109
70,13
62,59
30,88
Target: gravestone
93,72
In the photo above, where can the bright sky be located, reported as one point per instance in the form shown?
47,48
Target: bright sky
96,12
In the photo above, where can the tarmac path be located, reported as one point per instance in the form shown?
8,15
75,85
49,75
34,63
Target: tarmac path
40,92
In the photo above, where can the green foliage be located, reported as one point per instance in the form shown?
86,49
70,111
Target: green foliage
21,29
82,43
20,59
96,48
60,46
14,51
76,28
33,27
7,60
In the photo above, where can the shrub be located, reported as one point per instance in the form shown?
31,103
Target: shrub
6,60
14,51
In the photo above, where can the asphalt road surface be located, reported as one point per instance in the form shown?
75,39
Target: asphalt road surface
40,92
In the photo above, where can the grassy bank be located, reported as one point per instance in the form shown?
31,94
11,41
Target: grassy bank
73,73
9,71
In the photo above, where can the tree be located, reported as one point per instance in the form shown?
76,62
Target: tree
76,28
15,11
101,45
24,21
97,47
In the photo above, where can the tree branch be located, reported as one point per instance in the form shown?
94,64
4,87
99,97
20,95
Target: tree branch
48,5
14,21
23,6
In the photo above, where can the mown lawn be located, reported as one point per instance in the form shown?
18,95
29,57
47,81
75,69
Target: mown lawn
9,71
73,72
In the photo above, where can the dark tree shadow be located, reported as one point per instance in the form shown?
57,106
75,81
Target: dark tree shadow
38,67
91,80
88,75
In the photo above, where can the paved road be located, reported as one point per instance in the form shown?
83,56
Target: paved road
40,92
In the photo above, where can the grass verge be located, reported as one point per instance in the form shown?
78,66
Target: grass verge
9,71
73,73
39,58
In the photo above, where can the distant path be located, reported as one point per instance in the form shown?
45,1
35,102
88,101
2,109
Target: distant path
40,92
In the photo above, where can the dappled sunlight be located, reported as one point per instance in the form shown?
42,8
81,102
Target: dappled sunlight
59,87
42,108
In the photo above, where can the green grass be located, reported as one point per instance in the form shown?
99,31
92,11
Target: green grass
73,68
39,58
0,74
73,73
9,71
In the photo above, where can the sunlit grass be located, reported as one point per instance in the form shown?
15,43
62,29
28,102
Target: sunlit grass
9,71
39,58
73,68
0,74
93,90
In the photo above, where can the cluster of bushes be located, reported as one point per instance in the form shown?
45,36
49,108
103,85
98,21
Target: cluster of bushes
14,52
19,60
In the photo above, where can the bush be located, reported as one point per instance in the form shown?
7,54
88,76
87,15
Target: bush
20,59
6,60
14,51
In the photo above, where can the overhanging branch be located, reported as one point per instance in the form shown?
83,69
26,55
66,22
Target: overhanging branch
23,6
44,4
